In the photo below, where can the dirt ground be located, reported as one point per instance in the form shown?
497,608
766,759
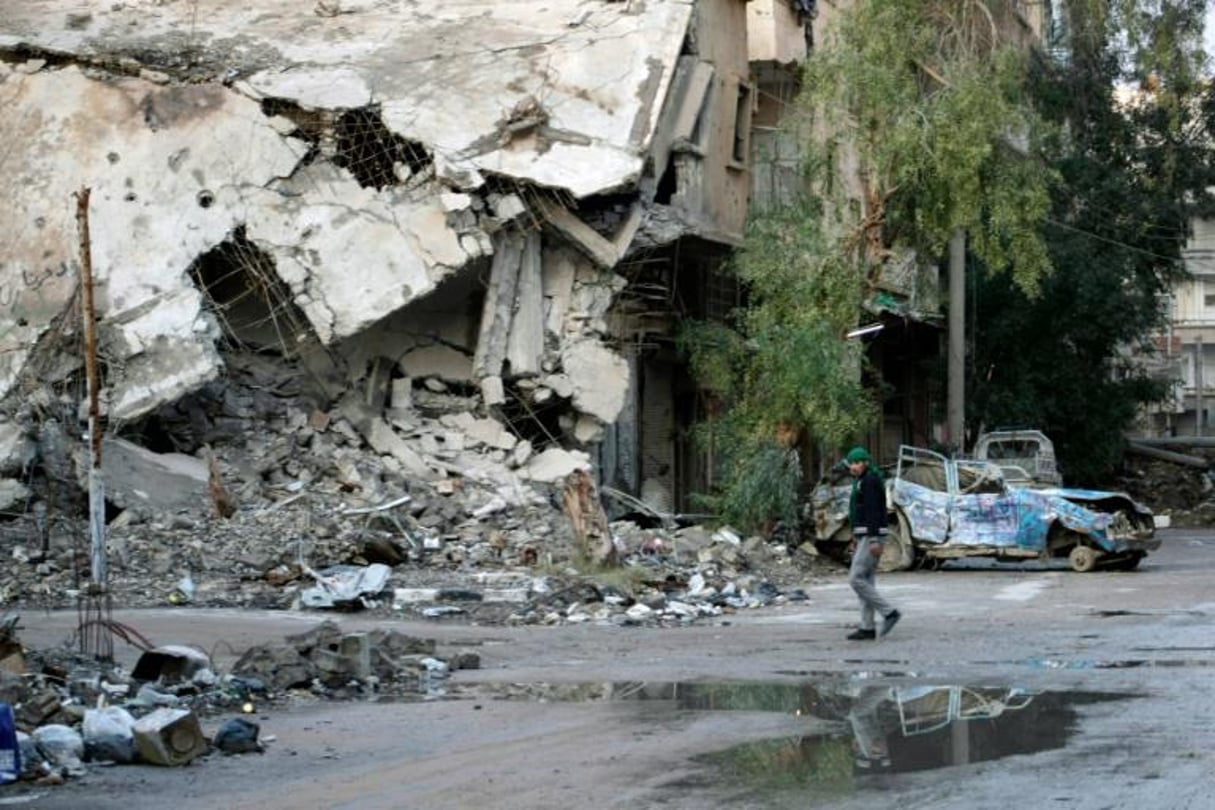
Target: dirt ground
582,716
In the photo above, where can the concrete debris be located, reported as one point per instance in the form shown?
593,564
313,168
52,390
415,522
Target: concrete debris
416,509
162,481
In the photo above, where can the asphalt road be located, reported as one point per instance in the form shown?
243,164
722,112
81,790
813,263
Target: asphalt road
1003,686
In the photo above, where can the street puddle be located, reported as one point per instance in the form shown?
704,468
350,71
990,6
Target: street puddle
854,729
894,729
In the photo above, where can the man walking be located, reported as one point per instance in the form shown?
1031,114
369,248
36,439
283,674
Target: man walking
867,514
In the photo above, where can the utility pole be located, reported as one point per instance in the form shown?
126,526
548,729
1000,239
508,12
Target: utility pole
956,358
1200,412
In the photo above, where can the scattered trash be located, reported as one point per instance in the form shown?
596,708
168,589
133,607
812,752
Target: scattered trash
170,664
345,584
238,736
108,735
10,751
62,746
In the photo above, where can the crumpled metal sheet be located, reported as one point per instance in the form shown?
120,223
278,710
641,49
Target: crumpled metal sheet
345,584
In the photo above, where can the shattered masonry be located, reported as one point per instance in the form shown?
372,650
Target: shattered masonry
335,262
296,183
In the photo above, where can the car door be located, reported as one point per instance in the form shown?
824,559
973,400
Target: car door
984,512
921,495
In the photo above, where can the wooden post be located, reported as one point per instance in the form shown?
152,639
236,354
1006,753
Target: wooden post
88,313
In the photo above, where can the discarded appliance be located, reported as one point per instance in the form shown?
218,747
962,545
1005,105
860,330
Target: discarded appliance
170,664
169,737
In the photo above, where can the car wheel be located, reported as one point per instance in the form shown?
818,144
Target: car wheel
1083,559
898,553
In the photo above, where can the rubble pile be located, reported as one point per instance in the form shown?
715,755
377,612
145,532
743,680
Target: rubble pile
248,494
1186,495
69,709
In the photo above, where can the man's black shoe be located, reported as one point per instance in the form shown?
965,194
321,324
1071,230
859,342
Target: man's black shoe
862,635
889,622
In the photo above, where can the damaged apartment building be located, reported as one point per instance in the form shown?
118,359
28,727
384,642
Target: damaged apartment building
450,225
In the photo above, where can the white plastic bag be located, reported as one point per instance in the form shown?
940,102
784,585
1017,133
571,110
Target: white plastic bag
108,736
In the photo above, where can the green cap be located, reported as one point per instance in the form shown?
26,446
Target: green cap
857,454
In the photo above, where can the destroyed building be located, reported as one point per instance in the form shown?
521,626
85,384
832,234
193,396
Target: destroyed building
461,208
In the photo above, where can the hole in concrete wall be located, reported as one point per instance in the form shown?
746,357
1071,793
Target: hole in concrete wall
370,151
311,124
537,422
252,304
668,184
205,199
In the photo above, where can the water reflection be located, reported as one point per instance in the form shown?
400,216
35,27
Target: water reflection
891,729
863,726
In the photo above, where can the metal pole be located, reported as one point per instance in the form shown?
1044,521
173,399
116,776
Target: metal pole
1199,406
956,358
88,314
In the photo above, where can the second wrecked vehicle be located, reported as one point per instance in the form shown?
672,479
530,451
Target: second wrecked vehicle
942,509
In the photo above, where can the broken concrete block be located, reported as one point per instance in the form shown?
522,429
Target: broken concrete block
400,396
12,494
452,201
599,376
491,432
459,421
457,173
560,384
17,449
521,453
554,464
439,361
492,391
587,429
164,481
383,439
525,344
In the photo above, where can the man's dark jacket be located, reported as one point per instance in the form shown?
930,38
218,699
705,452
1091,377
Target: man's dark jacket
868,512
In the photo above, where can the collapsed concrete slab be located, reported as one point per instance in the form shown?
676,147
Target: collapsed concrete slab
442,227
135,477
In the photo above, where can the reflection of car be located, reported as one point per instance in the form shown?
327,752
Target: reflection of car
946,509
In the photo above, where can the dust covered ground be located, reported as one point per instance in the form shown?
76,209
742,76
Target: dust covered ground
1081,691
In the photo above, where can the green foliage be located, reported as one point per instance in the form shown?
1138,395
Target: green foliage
780,366
936,111
1133,176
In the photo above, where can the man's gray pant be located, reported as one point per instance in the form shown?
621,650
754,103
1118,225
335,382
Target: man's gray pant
861,577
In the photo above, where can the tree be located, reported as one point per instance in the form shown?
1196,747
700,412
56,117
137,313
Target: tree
1131,145
927,100
780,367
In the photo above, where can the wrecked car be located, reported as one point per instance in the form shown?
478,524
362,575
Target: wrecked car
942,509
1027,457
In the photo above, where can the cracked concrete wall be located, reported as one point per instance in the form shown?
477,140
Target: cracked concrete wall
147,152
361,160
